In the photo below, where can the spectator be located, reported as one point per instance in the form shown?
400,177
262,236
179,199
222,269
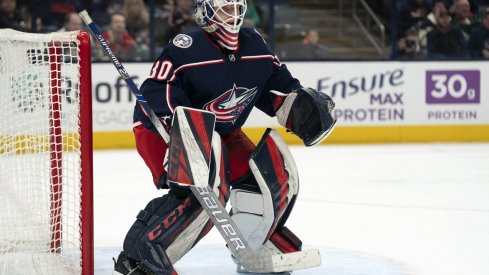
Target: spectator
181,16
122,43
72,22
409,47
137,18
413,13
446,41
10,16
474,5
163,10
28,24
463,16
101,8
430,20
58,9
137,22
479,39
311,48
436,6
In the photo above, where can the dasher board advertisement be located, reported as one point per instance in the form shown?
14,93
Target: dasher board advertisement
366,93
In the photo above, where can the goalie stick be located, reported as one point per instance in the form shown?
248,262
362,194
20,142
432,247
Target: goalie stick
94,30
260,261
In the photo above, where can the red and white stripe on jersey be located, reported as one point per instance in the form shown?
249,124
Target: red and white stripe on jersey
168,101
275,59
162,73
168,83
203,63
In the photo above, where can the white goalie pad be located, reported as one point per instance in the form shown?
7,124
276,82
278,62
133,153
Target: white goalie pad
289,162
254,213
185,240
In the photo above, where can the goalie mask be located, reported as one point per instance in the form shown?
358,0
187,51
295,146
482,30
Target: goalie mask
222,18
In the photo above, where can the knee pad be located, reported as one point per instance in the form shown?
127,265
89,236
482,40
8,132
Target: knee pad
258,213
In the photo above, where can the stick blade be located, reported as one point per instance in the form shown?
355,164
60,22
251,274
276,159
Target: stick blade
276,263
296,260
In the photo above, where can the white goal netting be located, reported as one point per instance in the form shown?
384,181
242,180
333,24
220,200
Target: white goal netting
40,154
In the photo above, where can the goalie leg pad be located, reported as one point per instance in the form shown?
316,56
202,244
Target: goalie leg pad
258,212
171,225
166,229
251,216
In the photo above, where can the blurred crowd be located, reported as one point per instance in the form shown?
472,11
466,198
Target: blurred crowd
443,29
125,24
439,29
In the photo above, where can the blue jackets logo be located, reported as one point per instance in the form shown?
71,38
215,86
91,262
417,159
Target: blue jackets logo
231,104
182,41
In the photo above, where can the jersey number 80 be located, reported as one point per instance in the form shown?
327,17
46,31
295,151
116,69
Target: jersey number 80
161,72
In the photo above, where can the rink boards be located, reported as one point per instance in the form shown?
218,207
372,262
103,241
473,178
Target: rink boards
376,102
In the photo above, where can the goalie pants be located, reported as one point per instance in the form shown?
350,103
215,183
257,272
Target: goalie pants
171,225
152,148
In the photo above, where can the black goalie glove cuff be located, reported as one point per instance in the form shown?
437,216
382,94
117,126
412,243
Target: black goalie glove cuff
306,113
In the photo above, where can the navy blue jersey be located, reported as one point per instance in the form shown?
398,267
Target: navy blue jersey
194,71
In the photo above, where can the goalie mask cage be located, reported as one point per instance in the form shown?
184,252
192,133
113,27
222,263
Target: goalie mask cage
45,154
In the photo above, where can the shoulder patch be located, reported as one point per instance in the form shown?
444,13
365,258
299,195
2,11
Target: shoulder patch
182,41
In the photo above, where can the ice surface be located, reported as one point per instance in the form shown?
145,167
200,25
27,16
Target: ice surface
370,209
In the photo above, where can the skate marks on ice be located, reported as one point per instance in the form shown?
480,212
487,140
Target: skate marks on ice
214,259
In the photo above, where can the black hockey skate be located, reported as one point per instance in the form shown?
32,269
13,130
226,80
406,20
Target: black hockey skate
127,266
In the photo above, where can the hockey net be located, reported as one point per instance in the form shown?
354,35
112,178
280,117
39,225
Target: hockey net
45,154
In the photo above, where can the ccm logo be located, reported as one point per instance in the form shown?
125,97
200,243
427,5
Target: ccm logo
169,220
223,222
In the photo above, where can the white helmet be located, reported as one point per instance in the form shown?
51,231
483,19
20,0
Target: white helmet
207,16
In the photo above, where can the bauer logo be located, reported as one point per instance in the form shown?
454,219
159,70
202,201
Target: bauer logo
453,87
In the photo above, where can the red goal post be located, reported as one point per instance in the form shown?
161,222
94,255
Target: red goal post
46,196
